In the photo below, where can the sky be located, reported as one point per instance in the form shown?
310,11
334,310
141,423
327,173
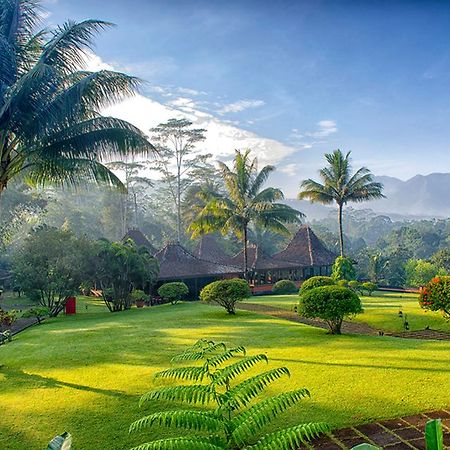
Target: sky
291,80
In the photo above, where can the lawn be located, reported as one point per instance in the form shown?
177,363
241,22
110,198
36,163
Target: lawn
381,311
85,373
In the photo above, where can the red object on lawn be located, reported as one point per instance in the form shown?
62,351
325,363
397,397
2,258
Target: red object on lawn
71,305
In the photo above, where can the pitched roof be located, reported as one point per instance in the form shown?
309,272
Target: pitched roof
306,249
175,262
259,260
209,249
139,239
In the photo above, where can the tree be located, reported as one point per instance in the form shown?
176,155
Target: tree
341,186
51,265
51,129
178,158
441,259
436,295
420,272
236,420
120,267
226,293
343,269
244,203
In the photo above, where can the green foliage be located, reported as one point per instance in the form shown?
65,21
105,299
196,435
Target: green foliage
226,293
120,268
342,283
369,287
315,282
232,419
343,269
419,272
61,442
7,318
284,287
173,292
436,295
331,304
441,259
138,294
434,437
37,312
355,286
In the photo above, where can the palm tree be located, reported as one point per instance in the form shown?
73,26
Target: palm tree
341,186
51,129
244,203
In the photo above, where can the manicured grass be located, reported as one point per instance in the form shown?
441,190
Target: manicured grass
85,373
381,311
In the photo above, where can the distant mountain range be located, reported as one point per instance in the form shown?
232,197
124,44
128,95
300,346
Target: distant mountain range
422,196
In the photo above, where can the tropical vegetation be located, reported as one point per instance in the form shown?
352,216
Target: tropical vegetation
173,292
226,293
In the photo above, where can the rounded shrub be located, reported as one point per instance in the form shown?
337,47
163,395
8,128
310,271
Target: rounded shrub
331,304
226,293
284,287
342,283
173,292
436,295
315,282
369,287
355,285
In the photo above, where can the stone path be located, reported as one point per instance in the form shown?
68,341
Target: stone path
405,433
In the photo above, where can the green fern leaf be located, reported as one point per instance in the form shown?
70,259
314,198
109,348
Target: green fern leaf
290,438
187,419
222,376
189,443
246,391
193,395
217,360
183,373
199,350
248,423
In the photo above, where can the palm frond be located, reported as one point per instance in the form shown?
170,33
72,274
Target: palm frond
183,373
223,376
193,395
217,360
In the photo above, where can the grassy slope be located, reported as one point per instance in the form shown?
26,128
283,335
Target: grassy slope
380,311
85,373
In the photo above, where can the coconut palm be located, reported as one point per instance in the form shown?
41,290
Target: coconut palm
341,186
51,129
243,203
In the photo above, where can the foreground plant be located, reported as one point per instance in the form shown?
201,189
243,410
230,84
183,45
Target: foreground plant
233,419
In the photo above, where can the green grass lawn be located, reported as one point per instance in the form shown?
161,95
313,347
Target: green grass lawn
85,373
380,310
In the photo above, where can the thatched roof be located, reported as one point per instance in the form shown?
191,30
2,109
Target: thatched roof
306,249
175,262
139,239
209,249
257,259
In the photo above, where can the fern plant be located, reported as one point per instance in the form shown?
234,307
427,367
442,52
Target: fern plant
233,419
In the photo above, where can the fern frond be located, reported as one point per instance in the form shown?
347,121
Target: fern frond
290,438
189,443
248,423
220,359
183,373
199,351
188,419
193,395
239,367
244,392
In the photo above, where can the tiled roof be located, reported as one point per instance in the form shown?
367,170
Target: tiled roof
209,249
259,260
139,239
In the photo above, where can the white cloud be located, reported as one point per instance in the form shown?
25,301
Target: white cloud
239,106
187,91
291,169
324,129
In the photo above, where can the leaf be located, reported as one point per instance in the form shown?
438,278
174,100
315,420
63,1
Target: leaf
183,373
196,394
365,446
220,359
222,376
199,350
433,435
61,442
189,443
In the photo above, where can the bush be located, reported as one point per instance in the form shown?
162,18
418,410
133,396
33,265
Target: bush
369,287
436,295
37,312
315,282
173,292
330,303
355,286
138,295
343,269
343,283
226,293
284,287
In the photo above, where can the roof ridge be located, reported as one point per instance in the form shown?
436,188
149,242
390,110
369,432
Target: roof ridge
309,245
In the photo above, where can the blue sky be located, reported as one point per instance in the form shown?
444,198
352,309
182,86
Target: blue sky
312,76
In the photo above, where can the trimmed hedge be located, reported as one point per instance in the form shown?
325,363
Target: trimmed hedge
226,293
173,292
284,287
315,282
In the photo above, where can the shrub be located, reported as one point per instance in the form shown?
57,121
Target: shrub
37,312
236,419
436,295
330,303
343,283
343,269
284,287
355,286
226,293
369,287
137,295
7,318
173,292
315,282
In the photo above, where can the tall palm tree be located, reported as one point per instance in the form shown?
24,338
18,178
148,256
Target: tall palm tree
243,203
341,186
51,129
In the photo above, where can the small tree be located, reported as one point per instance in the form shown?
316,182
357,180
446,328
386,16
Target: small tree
284,287
331,304
226,293
436,295
236,420
315,282
369,287
37,313
343,269
173,292
355,286
420,272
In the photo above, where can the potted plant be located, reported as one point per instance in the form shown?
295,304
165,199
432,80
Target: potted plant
139,297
